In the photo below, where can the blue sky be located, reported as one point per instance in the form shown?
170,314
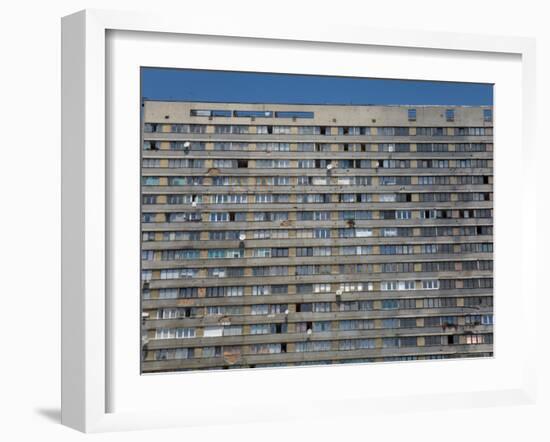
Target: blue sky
225,86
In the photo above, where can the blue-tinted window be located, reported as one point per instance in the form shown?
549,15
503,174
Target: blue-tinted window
210,113
259,114
487,115
294,114
450,114
412,114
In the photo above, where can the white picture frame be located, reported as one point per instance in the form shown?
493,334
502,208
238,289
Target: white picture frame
87,310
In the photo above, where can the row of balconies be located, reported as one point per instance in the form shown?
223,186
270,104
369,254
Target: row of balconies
332,206
333,138
291,278
349,259
293,170
294,298
334,241
291,319
332,223
292,357
164,153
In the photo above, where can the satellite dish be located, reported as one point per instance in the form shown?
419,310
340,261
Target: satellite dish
242,237
339,292
187,144
330,166
267,113
286,312
194,204
309,331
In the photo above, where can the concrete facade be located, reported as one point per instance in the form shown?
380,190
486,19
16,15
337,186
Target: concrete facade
314,234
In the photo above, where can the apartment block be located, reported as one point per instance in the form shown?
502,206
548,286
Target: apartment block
287,235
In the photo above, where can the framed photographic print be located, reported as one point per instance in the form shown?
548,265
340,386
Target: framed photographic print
285,224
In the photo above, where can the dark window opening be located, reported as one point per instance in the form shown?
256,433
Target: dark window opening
241,164
450,115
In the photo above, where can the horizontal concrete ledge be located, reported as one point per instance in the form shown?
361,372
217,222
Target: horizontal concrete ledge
336,224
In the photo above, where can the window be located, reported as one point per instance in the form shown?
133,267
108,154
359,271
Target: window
356,250
309,130
174,333
478,339
265,348
449,115
151,127
210,113
355,215
321,288
402,214
396,249
261,329
397,285
390,304
231,129
321,233
431,131
312,346
411,114
294,114
355,344
252,114
487,115
281,130
259,290
474,131
430,284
